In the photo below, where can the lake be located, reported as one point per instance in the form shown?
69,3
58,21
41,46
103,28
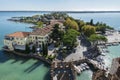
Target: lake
16,68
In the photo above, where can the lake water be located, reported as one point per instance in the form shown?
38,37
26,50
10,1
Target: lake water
16,68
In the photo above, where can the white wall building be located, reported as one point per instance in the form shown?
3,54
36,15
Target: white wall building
16,40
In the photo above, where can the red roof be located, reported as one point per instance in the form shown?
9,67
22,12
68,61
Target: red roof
45,30
19,34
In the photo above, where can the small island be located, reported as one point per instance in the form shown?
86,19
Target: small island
68,45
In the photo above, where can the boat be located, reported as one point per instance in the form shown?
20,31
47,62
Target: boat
87,67
77,69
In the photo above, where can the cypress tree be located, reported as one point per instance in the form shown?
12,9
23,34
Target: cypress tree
43,48
46,49
27,49
33,49
91,22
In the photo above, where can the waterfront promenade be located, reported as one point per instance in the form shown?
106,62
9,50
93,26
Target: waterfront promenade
35,56
78,54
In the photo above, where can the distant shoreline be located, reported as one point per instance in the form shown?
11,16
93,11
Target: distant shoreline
69,11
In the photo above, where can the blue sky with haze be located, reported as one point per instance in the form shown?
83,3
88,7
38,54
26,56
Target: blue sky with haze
60,5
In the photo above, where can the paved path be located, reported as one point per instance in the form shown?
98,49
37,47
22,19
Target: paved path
78,54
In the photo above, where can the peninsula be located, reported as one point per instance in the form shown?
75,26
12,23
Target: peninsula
68,45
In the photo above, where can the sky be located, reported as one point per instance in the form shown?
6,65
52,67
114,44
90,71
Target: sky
60,5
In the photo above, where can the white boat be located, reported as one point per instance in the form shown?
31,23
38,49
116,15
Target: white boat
85,64
80,68
87,67
77,69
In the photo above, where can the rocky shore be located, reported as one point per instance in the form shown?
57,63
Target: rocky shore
114,73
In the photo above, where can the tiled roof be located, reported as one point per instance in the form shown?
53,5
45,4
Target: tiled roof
53,22
47,29
19,34
42,31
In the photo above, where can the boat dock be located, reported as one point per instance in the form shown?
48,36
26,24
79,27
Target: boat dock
62,71
69,70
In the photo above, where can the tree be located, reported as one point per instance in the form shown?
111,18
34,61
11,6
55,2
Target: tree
71,24
91,22
36,16
102,27
33,49
39,24
69,38
67,23
27,49
57,33
45,49
88,30
74,25
80,23
96,38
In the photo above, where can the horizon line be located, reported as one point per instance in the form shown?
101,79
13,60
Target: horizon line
92,11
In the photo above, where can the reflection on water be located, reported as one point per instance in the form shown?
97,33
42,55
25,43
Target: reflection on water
16,68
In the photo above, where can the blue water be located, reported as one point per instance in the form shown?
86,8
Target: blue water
111,19
11,67
114,53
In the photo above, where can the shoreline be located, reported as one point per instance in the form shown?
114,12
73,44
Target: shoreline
93,67
29,56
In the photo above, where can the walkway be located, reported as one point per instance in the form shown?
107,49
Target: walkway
78,54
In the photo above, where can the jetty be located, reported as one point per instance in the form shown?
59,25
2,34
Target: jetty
69,70
62,71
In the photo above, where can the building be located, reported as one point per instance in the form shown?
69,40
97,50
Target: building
16,40
40,35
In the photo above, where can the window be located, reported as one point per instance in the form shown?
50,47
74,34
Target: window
40,37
